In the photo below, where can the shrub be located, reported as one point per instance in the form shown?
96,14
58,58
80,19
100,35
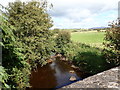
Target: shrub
70,50
90,59
61,40
3,78
56,31
16,66
112,44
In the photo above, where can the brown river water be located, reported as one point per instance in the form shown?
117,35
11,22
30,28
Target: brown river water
54,75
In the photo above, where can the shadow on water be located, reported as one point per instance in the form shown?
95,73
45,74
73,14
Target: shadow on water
54,75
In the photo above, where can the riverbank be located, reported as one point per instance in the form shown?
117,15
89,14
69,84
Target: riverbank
107,79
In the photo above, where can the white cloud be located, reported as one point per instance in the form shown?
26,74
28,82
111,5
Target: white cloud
83,13
80,13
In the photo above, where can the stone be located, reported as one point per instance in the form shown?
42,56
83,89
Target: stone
58,55
73,66
72,78
106,79
71,71
52,57
63,59
49,61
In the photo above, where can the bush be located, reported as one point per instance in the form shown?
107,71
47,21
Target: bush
17,70
64,45
90,59
70,50
3,78
62,40
56,31
112,44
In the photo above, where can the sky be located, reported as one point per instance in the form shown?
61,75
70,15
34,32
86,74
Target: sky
68,14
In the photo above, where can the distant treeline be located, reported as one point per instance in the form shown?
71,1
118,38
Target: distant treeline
82,30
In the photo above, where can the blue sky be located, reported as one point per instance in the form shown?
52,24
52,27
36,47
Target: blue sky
80,13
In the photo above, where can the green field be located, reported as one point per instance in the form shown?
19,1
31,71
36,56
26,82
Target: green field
93,38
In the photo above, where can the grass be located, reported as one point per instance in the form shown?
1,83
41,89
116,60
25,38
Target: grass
91,38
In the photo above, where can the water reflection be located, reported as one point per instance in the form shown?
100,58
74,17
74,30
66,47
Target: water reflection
53,75
43,78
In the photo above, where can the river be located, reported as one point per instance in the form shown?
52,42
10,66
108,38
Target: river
55,75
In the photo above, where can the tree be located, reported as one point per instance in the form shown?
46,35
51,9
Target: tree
32,22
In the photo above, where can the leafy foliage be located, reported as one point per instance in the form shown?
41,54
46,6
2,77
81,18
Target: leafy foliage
3,78
90,59
113,43
16,67
64,45
32,23
62,40
26,40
